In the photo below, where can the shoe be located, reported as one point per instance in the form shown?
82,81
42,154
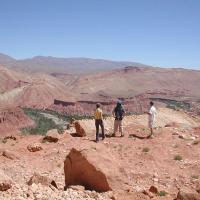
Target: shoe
122,135
113,135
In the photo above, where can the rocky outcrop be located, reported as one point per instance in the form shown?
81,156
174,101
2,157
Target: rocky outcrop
13,119
34,147
52,136
187,194
94,168
5,182
80,131
43,180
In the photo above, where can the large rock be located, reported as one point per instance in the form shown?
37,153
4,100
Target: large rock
187,194
43,180
34,147
80,131
52,136
94,168
5,182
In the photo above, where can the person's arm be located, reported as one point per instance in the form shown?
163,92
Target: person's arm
95,114
101,113
113,112
123,113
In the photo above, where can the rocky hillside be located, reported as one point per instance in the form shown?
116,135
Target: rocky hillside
25,90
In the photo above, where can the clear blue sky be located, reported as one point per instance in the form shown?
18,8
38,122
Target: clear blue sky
156,32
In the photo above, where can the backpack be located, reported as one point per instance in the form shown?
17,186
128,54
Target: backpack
119,111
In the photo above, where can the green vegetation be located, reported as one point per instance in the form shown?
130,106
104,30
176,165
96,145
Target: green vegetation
31,112
162,193
43,124
178,157
195,177
173,104
145,149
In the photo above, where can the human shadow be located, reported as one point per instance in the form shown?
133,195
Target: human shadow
139,137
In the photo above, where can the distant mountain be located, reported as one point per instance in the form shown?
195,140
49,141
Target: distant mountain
4,59
64,65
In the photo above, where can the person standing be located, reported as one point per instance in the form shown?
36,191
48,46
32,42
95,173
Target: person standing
118,114
152,118
98,115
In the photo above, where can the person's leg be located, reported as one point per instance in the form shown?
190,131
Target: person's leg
102,129
97,130
151,129
121,128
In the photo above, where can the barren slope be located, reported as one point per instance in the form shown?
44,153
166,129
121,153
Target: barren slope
38,90
132,81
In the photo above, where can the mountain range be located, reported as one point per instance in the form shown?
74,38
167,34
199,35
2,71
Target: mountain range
51,64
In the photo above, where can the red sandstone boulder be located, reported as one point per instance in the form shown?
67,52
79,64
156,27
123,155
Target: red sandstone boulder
80,131
5,182
52,136
153,189
34,147
94,168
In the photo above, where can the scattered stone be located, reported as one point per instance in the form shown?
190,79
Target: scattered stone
43,180
34,147
77,187
79,129
52,136
11,137
10,155
5,182
173,124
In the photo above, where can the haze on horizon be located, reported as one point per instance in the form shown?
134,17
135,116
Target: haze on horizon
157,33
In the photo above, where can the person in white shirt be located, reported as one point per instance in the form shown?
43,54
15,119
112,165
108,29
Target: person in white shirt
152,118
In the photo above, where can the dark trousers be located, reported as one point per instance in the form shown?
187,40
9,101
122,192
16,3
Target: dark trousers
99,122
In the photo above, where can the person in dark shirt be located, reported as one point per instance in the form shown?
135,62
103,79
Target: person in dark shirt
118,114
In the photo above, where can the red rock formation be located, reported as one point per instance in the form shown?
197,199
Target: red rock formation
13,119
95,169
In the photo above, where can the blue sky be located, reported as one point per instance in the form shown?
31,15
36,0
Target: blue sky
156,32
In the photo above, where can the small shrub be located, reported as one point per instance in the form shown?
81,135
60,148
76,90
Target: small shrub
162,193
175,146
60,130
145,149
195,176
4,141
196,142
178,157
